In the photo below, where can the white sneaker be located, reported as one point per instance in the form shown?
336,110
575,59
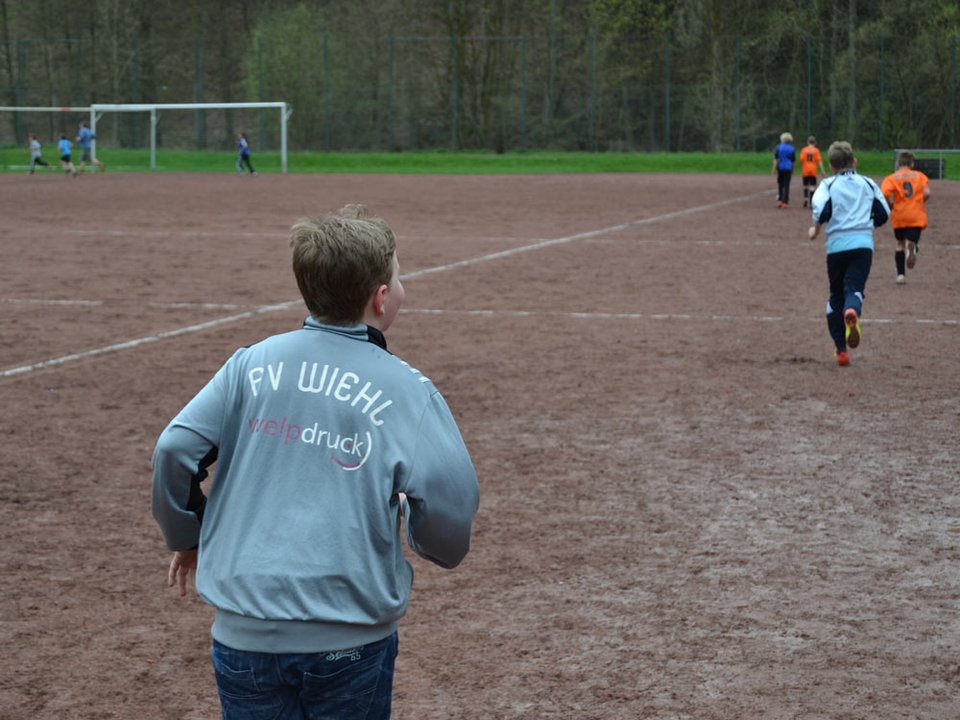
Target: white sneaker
911,254
901,279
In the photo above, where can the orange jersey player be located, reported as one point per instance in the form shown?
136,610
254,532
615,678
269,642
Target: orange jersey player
907,192
811,164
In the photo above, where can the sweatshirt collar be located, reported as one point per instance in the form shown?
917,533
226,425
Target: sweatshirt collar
357,331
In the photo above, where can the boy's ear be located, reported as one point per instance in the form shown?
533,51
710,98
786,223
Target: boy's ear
380,300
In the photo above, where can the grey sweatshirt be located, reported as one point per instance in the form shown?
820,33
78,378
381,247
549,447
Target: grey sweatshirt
315,434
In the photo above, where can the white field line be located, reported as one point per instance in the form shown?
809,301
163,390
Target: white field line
580,236
264,309
494,238
106,303
27,301
62,360
664,316
178,233
224,233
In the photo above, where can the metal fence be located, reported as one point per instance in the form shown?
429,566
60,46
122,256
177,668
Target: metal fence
511,93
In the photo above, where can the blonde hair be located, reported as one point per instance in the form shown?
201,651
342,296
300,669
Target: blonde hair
339,260
840,155
786,138
811,140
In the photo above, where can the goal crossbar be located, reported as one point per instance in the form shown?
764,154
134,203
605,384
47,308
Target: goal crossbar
97,109
58,108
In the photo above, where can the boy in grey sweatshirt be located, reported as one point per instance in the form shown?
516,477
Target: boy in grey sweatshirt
323,442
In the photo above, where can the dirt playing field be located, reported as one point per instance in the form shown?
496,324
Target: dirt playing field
688,510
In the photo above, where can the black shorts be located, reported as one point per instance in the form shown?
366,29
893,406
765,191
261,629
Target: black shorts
809,180
64,158
911,234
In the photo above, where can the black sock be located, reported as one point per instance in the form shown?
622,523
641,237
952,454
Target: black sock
901,259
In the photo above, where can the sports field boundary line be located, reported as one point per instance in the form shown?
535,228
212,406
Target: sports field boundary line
266,309
277,307
64,359
663,316
582,236
110,303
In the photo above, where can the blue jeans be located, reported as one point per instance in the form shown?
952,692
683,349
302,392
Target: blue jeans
355,684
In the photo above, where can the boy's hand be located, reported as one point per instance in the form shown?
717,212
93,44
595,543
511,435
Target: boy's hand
813,231
182,566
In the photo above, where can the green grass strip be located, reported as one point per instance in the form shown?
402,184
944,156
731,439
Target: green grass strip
873,163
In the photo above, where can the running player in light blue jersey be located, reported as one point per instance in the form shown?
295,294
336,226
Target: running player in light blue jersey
851,206
65,148
86,137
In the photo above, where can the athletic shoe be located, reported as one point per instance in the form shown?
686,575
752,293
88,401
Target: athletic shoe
852,322
901,279
911,254
843,359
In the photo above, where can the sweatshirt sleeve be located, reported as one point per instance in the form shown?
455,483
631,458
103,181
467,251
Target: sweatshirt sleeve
442,492
880,210
821,208
184,450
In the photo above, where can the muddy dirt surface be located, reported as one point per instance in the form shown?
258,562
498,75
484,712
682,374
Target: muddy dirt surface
688,510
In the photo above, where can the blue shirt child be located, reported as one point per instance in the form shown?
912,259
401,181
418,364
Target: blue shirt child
786,155
86,137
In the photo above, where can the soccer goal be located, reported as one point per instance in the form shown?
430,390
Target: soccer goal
98,109
59,117
932,162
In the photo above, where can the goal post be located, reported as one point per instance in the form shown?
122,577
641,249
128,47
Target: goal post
97,110
932,162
